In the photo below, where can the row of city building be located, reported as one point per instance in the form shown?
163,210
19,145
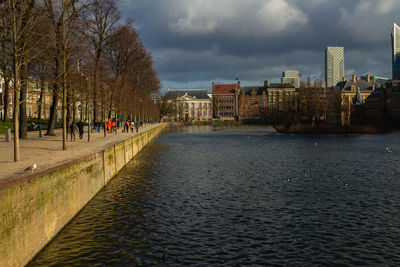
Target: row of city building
370,97
237,102
32,102
36,104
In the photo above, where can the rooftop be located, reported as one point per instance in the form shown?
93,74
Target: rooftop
197,93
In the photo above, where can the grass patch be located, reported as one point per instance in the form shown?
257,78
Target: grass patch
3,126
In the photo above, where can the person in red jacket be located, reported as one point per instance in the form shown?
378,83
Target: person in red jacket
109,125
126,126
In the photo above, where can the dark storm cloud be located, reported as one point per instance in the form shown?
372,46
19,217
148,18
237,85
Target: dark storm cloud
195,42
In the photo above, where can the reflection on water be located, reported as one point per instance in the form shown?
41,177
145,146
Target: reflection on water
236,196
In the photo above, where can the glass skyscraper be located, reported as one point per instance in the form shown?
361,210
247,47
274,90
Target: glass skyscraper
395,52
334,65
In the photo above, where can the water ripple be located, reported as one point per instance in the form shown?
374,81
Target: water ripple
216,197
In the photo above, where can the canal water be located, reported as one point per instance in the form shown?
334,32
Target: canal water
243,196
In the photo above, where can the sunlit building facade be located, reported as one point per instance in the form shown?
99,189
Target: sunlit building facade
395,52
224,100
334,65
190,104
292,77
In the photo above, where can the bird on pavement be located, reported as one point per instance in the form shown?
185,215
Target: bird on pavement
32,167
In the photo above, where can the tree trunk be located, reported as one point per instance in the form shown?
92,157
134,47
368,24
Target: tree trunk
64,89
69,112
88,109
16,115
16,91
73,104
23,130
6,100
102,111
53,112
53,107
95,88
111,99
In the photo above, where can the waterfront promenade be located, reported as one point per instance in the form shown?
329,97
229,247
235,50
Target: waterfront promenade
47,151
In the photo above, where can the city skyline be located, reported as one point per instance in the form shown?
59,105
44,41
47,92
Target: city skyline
195,43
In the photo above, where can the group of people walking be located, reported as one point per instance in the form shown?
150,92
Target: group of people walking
76,126
131,125
111,127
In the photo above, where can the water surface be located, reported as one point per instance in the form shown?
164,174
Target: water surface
243,196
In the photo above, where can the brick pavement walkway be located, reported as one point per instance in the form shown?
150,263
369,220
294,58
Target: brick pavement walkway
47,151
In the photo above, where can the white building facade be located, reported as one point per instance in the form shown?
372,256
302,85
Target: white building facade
334,65
395,52
190,104
292,77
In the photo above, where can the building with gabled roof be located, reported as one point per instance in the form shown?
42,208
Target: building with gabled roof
353,92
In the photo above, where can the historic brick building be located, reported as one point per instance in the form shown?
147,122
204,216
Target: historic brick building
261,102
32,98
253,100
32,105
224,100
281,96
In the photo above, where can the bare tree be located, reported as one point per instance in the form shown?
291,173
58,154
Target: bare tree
22,19
5,57
5,68
120,55
102,17
310,100
63,17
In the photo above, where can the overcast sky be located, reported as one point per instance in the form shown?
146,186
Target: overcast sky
196,42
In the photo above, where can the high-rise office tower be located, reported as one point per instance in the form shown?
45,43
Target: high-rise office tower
395,52
292,77
334,65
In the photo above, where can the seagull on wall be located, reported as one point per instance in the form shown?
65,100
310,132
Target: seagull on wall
32,167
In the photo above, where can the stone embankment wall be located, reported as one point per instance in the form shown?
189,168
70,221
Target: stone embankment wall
34,210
